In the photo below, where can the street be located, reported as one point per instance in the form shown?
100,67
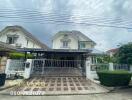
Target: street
124,94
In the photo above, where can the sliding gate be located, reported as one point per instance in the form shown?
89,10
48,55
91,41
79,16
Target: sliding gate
52,67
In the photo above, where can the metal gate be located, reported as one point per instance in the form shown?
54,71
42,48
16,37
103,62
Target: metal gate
53,67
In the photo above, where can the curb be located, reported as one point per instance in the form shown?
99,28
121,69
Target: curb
1,89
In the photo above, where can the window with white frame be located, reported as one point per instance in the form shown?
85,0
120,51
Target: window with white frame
65,41
11,39
65,44
82,45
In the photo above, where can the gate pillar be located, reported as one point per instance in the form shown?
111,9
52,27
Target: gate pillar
88,68
28,65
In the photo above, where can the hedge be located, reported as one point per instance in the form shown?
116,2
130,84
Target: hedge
2,79
114,78
17,55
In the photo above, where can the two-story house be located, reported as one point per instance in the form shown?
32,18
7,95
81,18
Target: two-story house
20,38
72,40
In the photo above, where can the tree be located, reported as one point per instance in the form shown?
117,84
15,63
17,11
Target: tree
124,54
105,59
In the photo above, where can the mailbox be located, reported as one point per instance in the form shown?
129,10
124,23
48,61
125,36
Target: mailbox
27,64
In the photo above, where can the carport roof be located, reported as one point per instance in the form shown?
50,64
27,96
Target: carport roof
86,51
54,50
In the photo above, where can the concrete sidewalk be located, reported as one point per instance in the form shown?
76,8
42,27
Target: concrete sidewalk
10,83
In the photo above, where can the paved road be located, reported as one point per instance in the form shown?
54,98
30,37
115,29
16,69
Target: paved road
125,94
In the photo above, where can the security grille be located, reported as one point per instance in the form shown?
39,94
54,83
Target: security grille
52,67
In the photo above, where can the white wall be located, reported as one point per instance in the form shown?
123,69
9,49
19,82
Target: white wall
73,44
21,40
57,44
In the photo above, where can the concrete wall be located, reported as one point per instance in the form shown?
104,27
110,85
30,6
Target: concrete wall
21,40
3,61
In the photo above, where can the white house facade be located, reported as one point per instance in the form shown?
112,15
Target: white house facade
72,40
20,38
72,54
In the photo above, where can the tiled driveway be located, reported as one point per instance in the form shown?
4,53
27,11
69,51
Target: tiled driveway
62,85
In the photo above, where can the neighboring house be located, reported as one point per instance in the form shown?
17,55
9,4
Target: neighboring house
111,52
72,40
20,38
4,50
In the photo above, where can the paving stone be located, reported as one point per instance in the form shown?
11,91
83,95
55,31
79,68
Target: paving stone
86,88
79,88
65,88
51,89
73,88
64,84
52,84
43,89
35,89
60,85
27,89
58,89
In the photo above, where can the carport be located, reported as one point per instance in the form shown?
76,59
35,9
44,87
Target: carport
58,62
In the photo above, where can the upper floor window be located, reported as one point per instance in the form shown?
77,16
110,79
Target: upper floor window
65,44
65,41
82,45
11,39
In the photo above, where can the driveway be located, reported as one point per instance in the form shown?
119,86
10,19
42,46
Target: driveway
60,85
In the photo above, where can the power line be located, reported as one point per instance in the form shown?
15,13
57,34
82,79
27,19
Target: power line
69,22
40,18
66,21
111,20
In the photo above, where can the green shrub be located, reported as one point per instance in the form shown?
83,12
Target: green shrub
114,78
17,55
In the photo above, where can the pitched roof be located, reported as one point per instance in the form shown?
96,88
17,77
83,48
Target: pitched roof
113,50
75,34
26,33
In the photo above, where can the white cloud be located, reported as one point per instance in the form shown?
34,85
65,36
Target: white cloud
105,37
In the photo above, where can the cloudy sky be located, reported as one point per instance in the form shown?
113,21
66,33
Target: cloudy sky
107,22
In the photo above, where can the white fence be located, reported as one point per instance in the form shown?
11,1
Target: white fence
108,66
121,67
15,66
96,67
40,65
56,67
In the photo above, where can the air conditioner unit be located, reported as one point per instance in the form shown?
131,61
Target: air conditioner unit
18,45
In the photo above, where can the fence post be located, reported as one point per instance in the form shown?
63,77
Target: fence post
111,66
88,68
131,68
7,67
28,66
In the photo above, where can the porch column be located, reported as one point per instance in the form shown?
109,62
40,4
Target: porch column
28,66
88,68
